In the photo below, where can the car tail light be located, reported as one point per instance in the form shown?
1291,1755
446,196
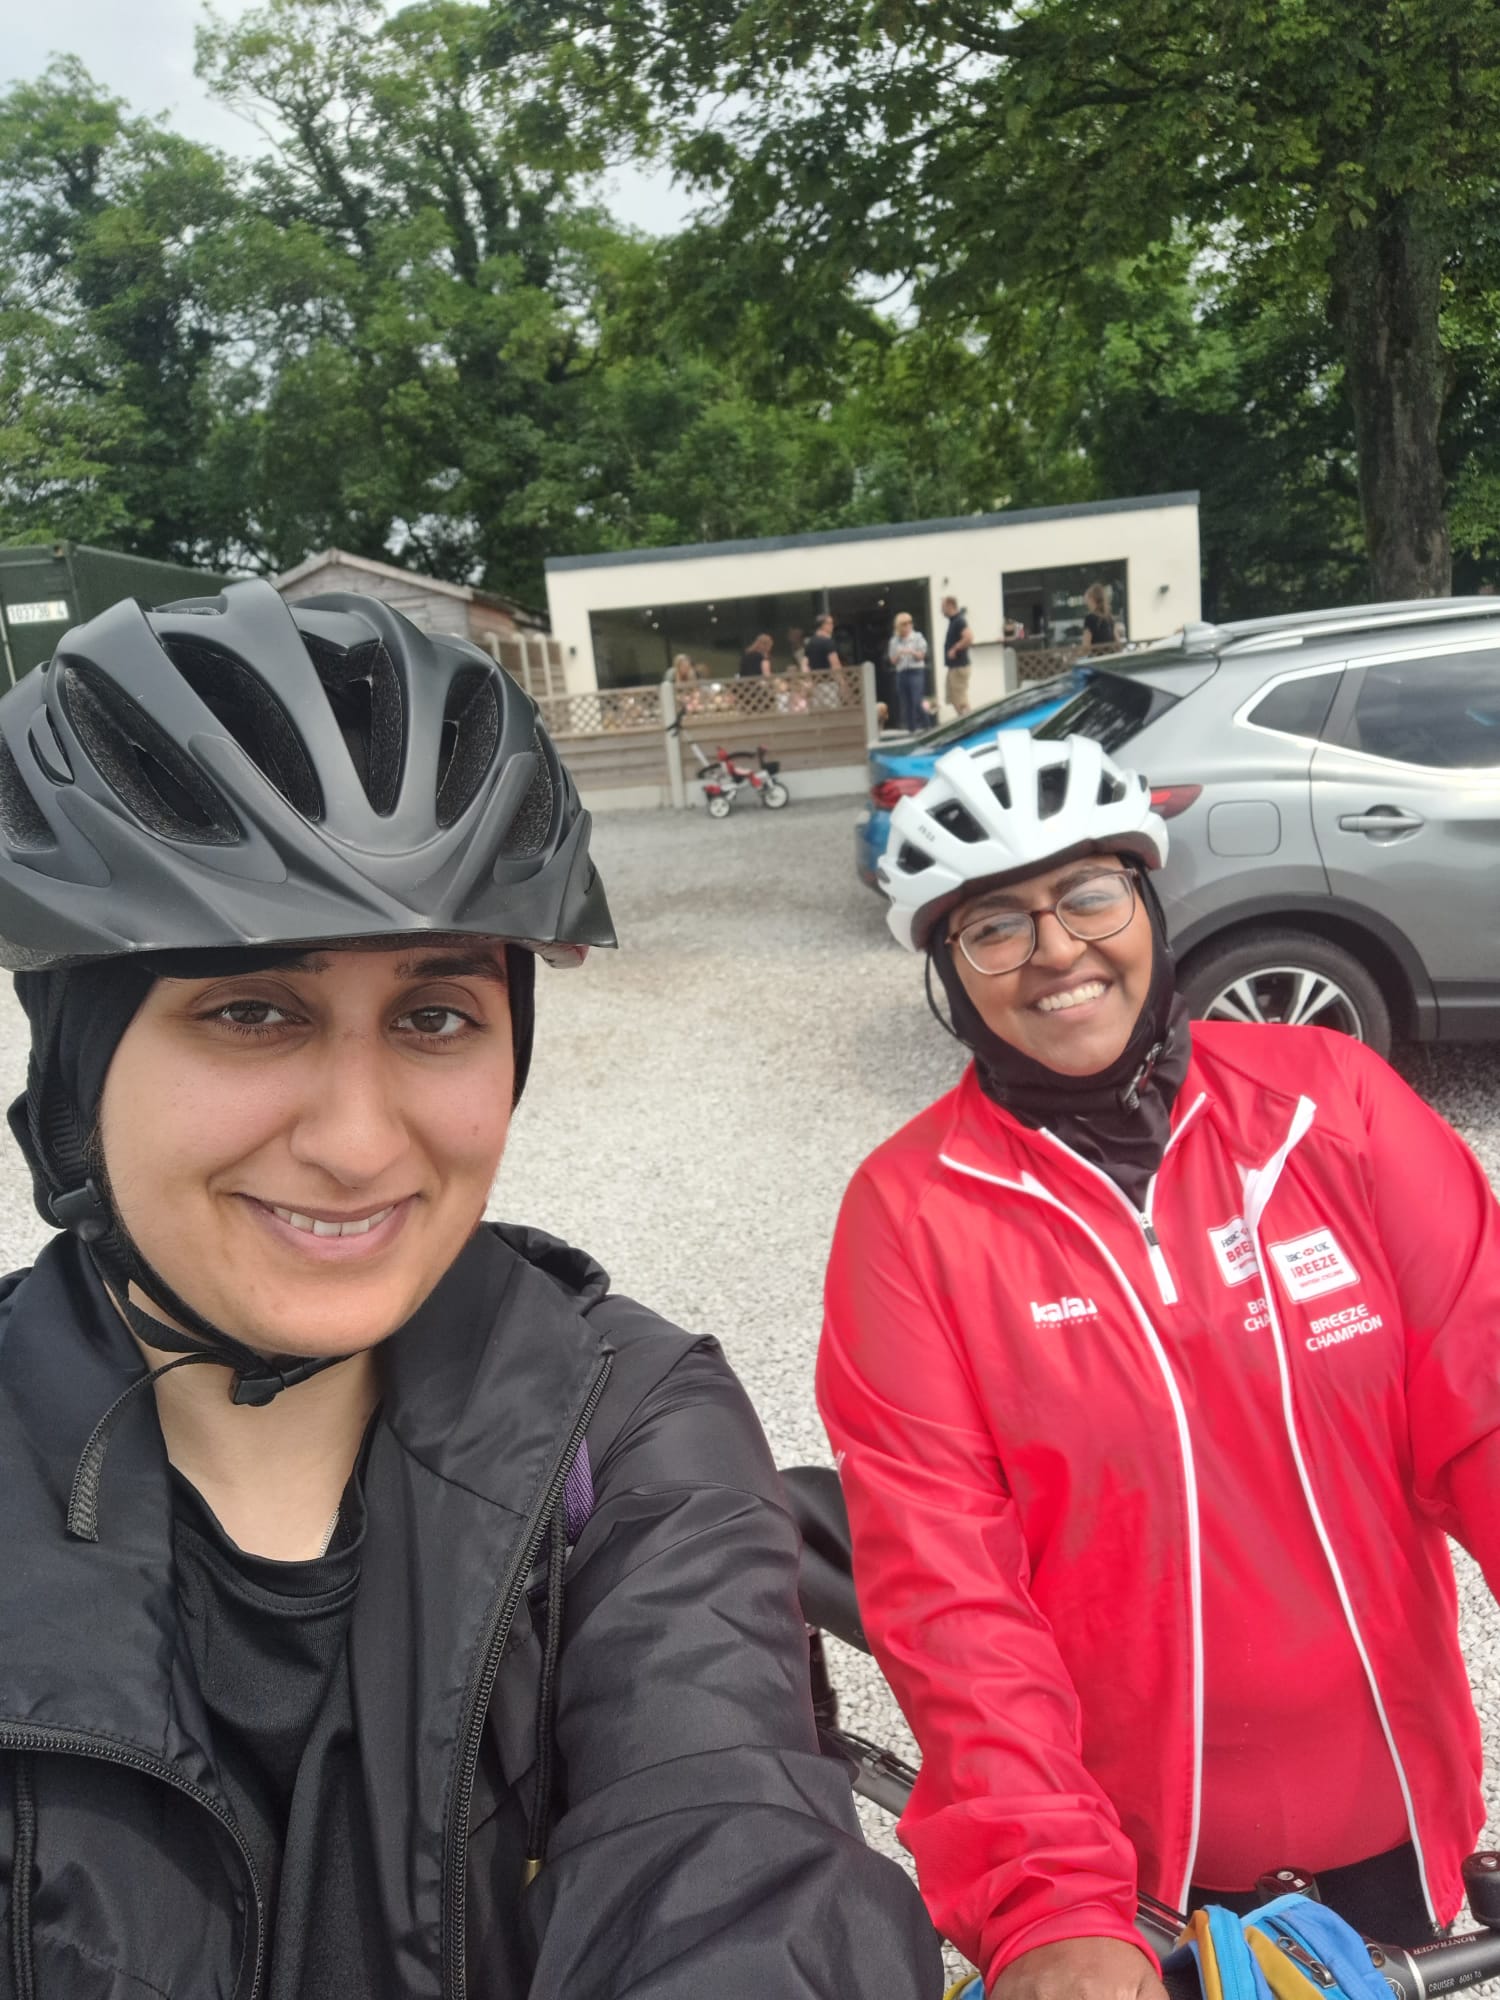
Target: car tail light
1170,800
886,793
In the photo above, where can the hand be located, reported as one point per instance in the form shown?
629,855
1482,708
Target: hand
1080,1969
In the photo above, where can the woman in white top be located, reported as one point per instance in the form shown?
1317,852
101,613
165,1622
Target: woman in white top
908,655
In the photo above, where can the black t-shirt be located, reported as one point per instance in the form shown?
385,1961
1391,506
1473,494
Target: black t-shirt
956,626
752,661
819,648
1101,630
268,1643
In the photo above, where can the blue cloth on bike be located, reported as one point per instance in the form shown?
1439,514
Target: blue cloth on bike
1289,1949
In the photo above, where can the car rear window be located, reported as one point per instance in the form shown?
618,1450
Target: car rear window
1035,694
1298,707
1109,708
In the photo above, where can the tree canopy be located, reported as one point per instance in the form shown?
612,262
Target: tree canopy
1343,149
949,259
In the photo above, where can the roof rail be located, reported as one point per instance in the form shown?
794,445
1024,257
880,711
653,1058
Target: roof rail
1433,611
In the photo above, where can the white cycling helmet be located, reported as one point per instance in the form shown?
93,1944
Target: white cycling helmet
1014,806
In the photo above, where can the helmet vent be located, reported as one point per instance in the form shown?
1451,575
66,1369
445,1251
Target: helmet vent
254,718
1111,790
911,860
152,777
471,730
959,821
1000,786
527,833
21,818
365,696
1051,791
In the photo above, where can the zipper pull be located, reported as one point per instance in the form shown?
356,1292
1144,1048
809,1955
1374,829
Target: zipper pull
1148,1228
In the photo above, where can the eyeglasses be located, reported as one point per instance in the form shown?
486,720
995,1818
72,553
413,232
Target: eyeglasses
1098,907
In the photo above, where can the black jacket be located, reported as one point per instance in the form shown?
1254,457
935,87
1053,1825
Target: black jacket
701,1846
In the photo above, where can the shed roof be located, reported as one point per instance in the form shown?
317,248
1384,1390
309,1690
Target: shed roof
830,537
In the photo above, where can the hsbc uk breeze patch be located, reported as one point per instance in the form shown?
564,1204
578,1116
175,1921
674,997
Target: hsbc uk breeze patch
1311,1265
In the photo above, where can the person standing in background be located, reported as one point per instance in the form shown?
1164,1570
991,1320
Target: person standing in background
822,653
1098,625
956,646
756,658
908,655
685,684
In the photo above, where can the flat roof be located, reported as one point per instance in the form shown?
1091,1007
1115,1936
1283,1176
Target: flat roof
832,537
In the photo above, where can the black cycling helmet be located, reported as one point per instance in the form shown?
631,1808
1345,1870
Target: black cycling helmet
238,774
235,770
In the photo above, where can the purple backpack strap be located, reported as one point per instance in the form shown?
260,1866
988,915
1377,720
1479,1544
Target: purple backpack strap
578,1493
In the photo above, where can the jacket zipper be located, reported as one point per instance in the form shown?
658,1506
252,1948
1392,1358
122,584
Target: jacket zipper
1037,1192
1160,1270
1257,1196
77,1744
454,1967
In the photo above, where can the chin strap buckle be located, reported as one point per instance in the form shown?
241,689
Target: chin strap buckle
83,1212
1130,1096
265,1384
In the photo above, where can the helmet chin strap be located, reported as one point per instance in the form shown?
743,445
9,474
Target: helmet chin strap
87,1213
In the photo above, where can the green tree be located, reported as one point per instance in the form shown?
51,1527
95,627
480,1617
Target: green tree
428,284
1342,147
108,336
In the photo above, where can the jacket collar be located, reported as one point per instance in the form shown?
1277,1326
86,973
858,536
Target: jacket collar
482,1388
983,1136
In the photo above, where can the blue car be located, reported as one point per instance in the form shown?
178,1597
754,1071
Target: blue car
899,768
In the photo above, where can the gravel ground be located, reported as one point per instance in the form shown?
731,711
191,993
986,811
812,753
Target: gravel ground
700,1099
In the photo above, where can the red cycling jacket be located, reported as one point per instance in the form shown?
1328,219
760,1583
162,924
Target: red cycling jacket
1021,1461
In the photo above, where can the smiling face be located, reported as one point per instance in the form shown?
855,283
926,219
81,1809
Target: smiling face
1072,1005
302,1153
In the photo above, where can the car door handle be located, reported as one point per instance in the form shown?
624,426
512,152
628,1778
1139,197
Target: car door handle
1382,819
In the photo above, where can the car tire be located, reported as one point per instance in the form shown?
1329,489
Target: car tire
1281,975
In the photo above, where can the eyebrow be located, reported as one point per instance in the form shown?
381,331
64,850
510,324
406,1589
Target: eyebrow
438,965
1001,899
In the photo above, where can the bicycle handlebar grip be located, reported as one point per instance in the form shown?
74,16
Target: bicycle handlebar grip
1482,1887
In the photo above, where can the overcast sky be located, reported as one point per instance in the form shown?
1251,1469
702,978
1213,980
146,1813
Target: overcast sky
142,50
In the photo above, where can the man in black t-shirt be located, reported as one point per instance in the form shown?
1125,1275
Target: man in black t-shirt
956,655
822,653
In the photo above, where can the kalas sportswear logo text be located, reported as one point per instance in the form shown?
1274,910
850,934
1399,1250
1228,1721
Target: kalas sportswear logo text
1062,1309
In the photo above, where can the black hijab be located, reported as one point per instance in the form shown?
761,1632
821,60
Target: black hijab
1120,1118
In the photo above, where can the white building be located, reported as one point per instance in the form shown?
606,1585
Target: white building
620,619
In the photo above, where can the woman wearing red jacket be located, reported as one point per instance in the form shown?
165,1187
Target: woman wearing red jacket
1159,1359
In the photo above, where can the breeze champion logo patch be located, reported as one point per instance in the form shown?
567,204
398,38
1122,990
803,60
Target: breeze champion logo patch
1234,1250
1313,1264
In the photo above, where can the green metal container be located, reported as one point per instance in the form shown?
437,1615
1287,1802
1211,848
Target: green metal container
46,589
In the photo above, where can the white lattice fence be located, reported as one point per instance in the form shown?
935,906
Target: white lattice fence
752,695
601,712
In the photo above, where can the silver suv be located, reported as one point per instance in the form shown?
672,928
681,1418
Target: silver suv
1333,787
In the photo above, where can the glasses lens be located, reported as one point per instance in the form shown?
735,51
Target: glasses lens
1098,907
998,943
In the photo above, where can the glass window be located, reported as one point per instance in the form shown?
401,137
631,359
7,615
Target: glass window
1111,708
1444,713
633,648
1048,606
1035,695
1298,707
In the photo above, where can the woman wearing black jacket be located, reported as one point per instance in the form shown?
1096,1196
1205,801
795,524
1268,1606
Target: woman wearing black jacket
387,1609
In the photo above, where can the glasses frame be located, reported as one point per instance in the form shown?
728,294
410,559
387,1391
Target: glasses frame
959,937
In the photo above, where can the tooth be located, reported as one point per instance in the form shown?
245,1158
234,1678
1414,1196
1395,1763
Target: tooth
300,1221
325,1229
357,1228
